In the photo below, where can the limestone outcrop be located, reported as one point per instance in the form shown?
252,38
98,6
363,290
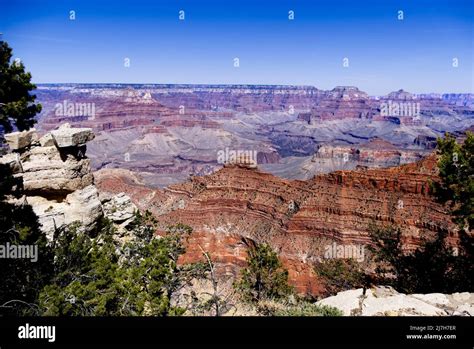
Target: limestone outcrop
385,301
119,208
56,176
20,140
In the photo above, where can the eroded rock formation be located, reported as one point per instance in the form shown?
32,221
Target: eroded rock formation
238,205
56,176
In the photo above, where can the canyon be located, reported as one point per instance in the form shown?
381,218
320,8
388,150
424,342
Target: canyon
239,206
232,209
329,165
170,132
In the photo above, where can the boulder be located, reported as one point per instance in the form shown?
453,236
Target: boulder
46,170
465,309
21,140
12,160
66,136
400,304
84,206
81,206
119,208
345,301
47,140
461,297
433,298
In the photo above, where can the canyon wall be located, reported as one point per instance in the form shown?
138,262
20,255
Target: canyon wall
238,206
170,132
234,208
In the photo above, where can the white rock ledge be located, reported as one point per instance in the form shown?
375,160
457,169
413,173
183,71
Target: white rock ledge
385,301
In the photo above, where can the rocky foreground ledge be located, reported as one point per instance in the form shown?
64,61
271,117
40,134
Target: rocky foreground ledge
56,176
385,301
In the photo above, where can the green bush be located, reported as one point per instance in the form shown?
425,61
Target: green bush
264,277
340,275
17,104
434,267
456,170
90,281
308,309
21,279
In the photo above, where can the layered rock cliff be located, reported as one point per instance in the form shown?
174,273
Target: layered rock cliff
56,177
238,206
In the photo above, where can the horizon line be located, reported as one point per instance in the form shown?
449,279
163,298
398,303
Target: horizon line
253,85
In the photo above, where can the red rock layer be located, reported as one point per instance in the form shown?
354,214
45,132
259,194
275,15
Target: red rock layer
297,218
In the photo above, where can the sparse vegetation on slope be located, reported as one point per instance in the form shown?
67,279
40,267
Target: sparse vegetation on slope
264,277
90,278
340,275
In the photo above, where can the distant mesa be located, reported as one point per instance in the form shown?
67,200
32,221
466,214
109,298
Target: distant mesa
400,95
347,92
134,96
243,161
378,144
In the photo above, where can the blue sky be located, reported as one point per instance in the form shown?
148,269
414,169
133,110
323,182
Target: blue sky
384,53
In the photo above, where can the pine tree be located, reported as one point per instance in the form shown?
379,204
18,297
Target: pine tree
264,277
456,170
17,104
21,279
